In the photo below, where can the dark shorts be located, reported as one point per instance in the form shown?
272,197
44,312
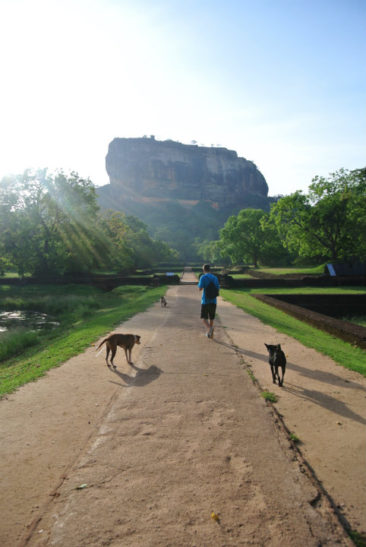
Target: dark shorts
208,311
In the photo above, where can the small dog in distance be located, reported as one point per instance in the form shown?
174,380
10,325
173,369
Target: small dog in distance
163,302
125,341
277,359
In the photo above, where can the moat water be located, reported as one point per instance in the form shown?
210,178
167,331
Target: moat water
30,320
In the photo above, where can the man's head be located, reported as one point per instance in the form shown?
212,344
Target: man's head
206,268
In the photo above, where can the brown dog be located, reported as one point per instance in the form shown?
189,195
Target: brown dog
163,302
125,341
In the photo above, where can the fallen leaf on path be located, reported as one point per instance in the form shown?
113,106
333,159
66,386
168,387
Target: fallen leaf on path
215,516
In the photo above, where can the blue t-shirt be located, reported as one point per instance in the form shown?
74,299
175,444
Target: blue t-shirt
204,281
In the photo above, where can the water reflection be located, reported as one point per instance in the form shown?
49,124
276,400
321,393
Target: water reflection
32,320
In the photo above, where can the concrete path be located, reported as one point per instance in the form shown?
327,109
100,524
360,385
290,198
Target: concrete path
177,450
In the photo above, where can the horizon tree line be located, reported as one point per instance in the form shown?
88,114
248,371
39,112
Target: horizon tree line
50,224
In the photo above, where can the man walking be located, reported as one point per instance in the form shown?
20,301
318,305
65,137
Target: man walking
209,284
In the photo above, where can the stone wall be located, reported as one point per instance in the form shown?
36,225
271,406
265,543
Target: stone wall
347,331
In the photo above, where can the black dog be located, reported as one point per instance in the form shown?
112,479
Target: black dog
276,359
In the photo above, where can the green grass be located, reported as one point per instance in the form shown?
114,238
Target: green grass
308,290
269,396
54,300
12,343
85,313
341,352
294,438
147,276
358,539
13,274
250,374
318,270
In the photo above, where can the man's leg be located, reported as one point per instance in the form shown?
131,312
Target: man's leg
204,317
208,317
207,325
211,315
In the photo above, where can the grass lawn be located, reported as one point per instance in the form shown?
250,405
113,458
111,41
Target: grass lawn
341,352
85,314
309,290
318,270
14,274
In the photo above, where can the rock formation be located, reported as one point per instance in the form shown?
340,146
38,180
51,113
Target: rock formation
181,192
147,168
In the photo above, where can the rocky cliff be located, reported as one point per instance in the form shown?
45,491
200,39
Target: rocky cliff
147,168
181,192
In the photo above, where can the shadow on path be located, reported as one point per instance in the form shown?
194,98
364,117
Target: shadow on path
142,378
253,354
327,377
324,400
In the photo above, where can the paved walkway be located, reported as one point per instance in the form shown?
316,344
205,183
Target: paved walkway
158,447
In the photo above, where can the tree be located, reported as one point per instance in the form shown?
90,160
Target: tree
131,245
19,220
273,252
121,255
329,222
242,238
51,225
48,223
210,251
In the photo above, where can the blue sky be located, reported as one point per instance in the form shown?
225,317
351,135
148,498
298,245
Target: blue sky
282,82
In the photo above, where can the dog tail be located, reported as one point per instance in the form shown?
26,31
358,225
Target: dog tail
105,339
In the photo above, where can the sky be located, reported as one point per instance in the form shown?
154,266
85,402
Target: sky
281,82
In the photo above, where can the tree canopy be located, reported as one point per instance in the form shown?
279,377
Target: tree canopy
51,224
248,237
329,222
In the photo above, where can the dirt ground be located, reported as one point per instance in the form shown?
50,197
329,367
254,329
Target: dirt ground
145,455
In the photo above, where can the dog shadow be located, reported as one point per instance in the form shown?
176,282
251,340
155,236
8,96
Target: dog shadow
325,401
143,376
261,357
326,377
